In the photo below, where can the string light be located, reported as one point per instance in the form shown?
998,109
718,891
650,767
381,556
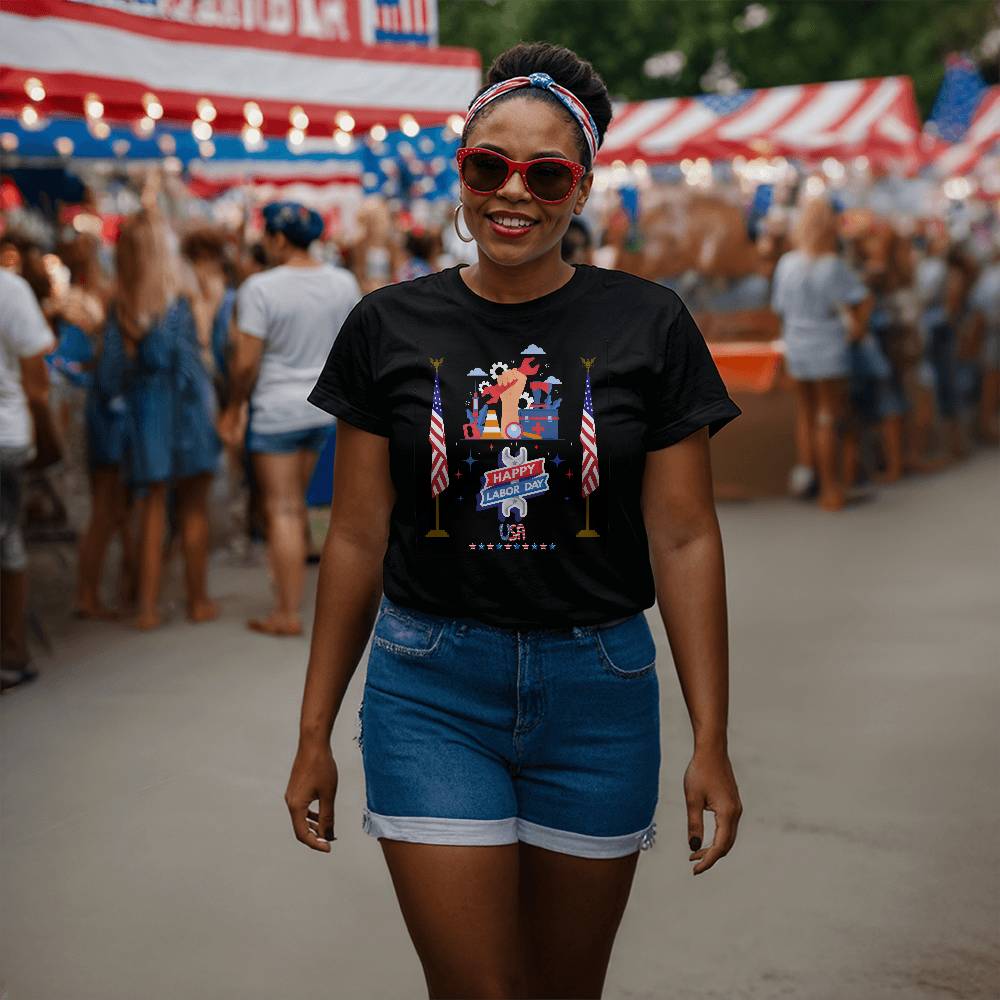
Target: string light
201,130
378,132
206,149
8,142
145,125
345,121
93,106
252,137
409,125
342,138
154,109
64,145
29,116
206,110
120,147
253,114
34,89
296,136
456,123
298,118
99,129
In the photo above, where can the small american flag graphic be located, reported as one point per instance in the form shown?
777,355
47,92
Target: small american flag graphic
406,21
439,450
588,438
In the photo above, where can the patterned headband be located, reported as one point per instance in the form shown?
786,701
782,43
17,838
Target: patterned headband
544,82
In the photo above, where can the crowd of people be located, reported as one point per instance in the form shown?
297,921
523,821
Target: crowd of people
189,363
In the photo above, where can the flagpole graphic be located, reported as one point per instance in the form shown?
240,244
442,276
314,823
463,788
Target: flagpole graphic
588,438
439,453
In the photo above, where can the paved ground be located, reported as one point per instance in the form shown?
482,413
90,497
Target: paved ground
146,851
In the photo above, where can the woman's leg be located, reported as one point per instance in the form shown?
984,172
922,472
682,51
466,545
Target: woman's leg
279,476
805,398
831,401
192,498
152,528
105,511
460,906
570,910
307,464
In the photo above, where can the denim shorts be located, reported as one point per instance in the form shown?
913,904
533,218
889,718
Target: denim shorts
287,442
473,734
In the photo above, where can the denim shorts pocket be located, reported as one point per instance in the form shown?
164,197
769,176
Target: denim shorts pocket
628,648
407,635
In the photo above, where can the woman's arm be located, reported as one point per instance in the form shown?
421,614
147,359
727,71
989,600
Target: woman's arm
347,601
686,552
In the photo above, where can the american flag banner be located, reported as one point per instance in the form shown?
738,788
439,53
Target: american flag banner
439,450
406,21
588,438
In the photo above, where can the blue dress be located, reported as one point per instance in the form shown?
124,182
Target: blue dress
105,408
171,403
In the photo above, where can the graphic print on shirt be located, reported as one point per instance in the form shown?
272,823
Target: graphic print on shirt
527,460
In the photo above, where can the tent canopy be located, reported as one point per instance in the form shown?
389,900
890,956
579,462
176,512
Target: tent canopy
876,117
291,59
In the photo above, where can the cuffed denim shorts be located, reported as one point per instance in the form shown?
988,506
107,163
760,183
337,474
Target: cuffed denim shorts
288,442
477,735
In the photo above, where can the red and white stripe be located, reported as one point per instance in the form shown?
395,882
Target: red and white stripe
874,117
439,454
589,471
119,54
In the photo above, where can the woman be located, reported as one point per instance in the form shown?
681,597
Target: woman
516,437
824,308
170,410
287,319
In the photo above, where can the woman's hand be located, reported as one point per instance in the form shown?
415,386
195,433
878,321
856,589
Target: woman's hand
314,776
709,784
232,425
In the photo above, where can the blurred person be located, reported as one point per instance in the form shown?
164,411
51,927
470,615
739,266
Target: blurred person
170,405
824,308
576,244
512,801
984,303
287,319
25,340
419,247
939,281
213,298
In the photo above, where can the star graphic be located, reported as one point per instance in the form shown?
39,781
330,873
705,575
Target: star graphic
489,546
534,545
481,546
516,546
557,460
458,473
470,461
552,545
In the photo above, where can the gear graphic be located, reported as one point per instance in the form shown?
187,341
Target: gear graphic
498,368
484,385
525,399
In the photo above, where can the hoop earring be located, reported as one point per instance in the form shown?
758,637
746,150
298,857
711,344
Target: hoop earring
458,208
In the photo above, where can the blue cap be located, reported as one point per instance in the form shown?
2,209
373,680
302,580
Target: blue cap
299,224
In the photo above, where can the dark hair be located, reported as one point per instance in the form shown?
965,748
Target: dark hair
567,69
205,243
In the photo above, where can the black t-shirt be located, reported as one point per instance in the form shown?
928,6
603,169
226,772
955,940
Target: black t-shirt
518,490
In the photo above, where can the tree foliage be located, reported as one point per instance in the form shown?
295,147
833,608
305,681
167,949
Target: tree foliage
804,41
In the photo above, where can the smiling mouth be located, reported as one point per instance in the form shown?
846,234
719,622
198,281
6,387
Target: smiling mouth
511,221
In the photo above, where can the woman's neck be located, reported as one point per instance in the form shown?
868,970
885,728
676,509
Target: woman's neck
301,258
520,283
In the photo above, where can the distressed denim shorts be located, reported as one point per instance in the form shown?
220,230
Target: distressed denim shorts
477,735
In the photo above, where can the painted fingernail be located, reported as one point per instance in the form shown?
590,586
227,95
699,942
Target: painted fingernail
694,843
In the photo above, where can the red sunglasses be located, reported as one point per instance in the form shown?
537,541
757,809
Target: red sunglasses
550,179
